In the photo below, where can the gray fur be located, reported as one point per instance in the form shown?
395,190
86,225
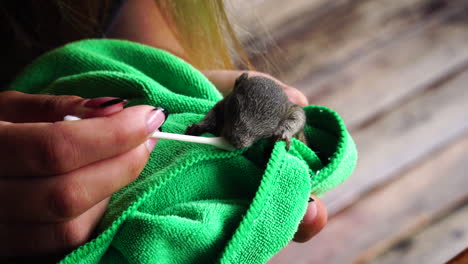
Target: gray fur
256,108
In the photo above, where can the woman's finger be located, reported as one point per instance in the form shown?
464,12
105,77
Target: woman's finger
224,81
58,198
46,149
17,107
314,220
40,239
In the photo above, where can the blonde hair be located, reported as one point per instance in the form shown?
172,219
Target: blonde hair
205,33
34,27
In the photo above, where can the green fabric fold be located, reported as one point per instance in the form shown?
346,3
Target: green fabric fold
193,203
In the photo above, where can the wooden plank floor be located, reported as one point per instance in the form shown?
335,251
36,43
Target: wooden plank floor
397,72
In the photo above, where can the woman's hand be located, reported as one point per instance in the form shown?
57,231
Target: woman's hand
316,215
56,177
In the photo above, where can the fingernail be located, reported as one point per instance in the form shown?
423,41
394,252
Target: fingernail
113,102
151,143
102,102
166,114
311,199
155,119
311,211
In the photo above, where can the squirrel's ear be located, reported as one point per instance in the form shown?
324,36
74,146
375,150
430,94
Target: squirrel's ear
241,78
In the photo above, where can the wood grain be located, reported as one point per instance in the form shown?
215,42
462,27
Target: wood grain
315,40
385,216
436,244
377,82
404,136
257,17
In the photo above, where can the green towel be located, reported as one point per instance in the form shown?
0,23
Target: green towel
193,203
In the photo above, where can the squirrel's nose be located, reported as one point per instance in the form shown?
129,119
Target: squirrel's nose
239,142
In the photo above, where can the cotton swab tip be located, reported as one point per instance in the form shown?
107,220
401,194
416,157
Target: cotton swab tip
71,118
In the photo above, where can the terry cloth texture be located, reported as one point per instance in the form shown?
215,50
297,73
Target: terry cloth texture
193,203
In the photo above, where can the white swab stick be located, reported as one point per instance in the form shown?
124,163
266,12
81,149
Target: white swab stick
218,142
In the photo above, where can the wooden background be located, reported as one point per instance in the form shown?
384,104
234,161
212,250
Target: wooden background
397,72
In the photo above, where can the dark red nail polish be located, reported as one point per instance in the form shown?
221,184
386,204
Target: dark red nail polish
113,102
102,102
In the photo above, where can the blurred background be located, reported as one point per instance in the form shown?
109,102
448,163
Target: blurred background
397,72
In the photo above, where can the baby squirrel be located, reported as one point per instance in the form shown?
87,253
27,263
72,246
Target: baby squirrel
256,108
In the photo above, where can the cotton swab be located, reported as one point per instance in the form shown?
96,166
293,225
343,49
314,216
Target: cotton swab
218,142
